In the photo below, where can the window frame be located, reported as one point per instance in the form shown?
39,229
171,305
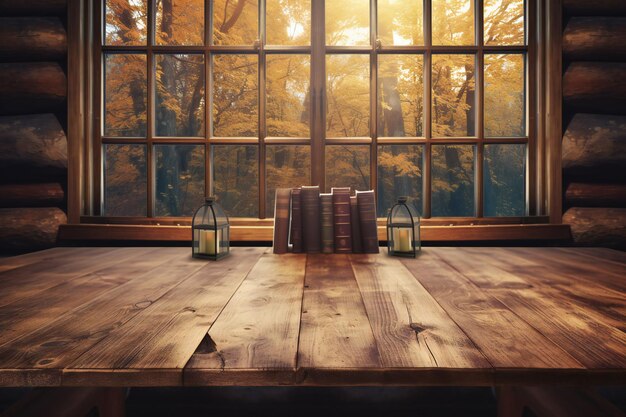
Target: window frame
543,111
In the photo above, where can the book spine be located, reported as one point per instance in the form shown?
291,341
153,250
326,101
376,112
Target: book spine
328,236
281,220
367,218
311,224
341,215
296,221
357,246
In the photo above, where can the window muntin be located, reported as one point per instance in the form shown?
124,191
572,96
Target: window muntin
387,87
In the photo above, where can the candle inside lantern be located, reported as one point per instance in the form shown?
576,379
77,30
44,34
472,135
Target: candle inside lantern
207,242
401,240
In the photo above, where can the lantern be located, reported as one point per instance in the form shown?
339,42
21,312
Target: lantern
210,231
403,230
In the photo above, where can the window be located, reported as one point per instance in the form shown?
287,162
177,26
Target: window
424,98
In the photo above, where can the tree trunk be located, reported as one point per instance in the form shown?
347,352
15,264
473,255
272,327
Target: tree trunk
27,88
32,147
26,229
32,39
33,7
595,195
594,8
594,146
595,39
595,87
597,226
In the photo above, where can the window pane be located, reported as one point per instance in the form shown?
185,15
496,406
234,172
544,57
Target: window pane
179,179
504,180
400,22
180,22
236,179
235,103
286,166
235,22
347,22
125,95
453,180
504,22
399,174
454,95
179,98
287,95
288,22
400,95
504,95
453,22
126,22
348,166
347,95
125,189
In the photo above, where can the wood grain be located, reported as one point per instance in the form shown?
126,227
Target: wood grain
483,319
410,327
258,328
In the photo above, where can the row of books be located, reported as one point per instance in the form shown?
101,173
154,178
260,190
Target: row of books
307,221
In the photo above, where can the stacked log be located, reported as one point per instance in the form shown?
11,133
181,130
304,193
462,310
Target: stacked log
33,143
594,143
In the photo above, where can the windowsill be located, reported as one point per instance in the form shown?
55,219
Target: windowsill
246,230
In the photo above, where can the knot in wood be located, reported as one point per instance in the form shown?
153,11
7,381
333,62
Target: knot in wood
417,328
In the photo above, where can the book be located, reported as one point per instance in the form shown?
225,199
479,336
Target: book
341,215
311,219
328,236
366,203
281,220
295,235
357,246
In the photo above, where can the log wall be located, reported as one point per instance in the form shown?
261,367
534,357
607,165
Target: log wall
33,109
594,118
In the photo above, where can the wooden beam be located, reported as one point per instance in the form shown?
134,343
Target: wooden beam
27,229
597,226
582,194
32,195
32,147
32,39
33,7
594,146
594,8
32,88
595,87
595,39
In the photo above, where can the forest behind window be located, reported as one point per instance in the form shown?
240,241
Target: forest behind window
417,98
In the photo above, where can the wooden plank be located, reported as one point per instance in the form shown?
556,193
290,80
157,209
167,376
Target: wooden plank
57,345
501,335
605,274
28,314
576,330
177,322
32,280
410,327
258,328
13,262
335,330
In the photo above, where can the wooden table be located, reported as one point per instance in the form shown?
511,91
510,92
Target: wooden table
453,316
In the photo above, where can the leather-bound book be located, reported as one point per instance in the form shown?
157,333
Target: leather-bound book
296,221
328,236
367,217
281,220
311,219
341,216
357,246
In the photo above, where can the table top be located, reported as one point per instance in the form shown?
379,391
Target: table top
452,316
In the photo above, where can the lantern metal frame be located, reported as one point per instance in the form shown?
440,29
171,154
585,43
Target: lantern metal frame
415,238
215,249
